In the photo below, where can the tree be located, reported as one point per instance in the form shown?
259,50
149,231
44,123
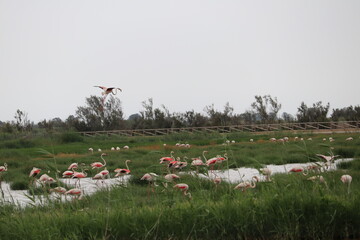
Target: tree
94,116
287,117
317,113
346,114
22,122
266,107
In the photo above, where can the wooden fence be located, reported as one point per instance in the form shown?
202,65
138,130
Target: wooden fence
315,127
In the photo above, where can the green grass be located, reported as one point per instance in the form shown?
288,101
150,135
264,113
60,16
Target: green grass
289,207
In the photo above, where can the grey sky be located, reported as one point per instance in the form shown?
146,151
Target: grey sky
184,54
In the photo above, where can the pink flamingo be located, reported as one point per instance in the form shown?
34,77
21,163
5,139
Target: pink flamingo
346,179
105,173
78,176
184,188
150,178
247,184
3,168
46,179
328,159
108,90
74,192
121,172
98,177
34,172
167,159
73,166
99,164
266,172
59,190
301,169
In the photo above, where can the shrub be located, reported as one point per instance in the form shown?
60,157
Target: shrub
70,137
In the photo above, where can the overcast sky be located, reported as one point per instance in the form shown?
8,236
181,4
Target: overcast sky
183,54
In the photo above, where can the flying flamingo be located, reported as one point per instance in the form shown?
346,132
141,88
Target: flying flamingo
247,184
184,188
121,172
108,90
99,164
346,179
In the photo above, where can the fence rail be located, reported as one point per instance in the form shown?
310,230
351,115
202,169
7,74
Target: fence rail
348,126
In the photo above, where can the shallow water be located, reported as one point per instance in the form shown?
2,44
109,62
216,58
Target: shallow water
22,198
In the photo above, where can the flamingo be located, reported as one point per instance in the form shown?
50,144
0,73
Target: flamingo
46,179
67,174
197,162
74,192
150,177
99,164
301,169
319,178
174,163
349,139
73,165
346,179
126,147
98,177
247,184
329,159
167,159
91,150
105,173
316,167
266,172
183,164
217,181
108,90
59,190
121,172
34,172
79,175
184,188
3,168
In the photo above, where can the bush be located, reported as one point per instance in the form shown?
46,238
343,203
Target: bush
70,137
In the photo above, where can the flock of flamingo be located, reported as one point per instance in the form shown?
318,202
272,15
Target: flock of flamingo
171,165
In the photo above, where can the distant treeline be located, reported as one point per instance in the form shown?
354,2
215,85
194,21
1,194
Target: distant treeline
95,117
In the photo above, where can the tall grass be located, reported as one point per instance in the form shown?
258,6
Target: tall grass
289,207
